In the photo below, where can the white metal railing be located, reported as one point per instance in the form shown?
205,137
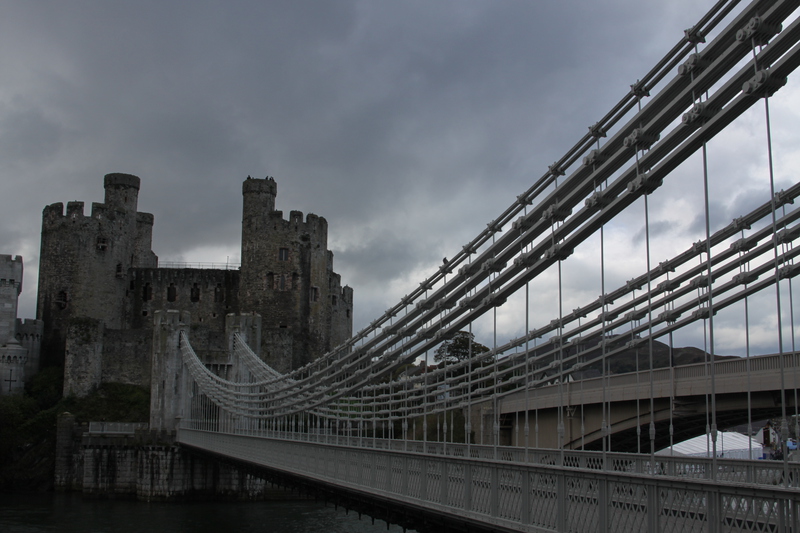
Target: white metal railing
525,496
760,472
200,265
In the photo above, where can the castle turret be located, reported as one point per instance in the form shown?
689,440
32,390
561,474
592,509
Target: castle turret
122,192
259,198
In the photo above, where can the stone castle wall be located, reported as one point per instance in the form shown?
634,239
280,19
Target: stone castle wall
208,294
100,287
10,289
19,339
146,466
84,260
287,277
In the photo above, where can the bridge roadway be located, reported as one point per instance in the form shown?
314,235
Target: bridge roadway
449,487
680,399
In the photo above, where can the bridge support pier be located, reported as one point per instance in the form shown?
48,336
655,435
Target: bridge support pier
169,387
248,326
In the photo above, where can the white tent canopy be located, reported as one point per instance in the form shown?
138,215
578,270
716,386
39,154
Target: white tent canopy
730,445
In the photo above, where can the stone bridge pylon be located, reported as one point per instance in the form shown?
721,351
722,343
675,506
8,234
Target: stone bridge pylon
171,387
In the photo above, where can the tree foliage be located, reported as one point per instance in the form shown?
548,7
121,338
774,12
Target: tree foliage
460,348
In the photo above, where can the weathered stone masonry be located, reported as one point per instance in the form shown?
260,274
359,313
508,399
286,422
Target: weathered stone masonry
100,285
19,339
146,465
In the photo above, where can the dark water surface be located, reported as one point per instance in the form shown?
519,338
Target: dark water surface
71,513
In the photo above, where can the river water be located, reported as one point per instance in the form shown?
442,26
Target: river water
71,513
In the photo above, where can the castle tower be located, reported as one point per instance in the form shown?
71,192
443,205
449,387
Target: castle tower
287,277
19,355
10,289
84,260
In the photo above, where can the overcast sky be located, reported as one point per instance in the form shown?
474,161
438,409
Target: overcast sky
407,124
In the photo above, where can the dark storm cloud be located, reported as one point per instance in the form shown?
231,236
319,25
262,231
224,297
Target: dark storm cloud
407,125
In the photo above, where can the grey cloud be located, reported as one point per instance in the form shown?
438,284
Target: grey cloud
27,136
418,120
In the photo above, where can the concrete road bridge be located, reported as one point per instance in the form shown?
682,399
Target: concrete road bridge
433,450
746,389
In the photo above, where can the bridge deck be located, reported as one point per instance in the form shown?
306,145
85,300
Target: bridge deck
552,491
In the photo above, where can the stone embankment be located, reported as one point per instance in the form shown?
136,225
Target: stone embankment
146,465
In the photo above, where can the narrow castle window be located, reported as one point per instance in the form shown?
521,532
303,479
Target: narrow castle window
102,244
119,270
172,292
295,281
195,294
147,292
61,300
283,254
282,285
314,294
334,300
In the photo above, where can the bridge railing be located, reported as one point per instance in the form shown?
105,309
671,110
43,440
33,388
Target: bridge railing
761,369
763,472
524,496
199,265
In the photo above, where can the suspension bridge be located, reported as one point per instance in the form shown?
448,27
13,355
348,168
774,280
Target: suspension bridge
523,437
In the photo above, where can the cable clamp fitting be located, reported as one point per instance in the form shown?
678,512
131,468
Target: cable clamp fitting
789,271
558,252
758,31
744,244
698,114
670,317
597,131
556,213
640,139
763,84
598,200
644,183
694,36
695,62
594,157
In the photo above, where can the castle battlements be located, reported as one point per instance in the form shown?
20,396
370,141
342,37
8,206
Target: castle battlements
145,218
313,224
11,270
100,271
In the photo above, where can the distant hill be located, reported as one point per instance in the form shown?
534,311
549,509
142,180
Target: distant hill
626,361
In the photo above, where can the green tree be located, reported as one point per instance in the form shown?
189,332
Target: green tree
458,349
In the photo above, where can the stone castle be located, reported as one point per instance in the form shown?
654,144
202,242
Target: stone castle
100,285
19,339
